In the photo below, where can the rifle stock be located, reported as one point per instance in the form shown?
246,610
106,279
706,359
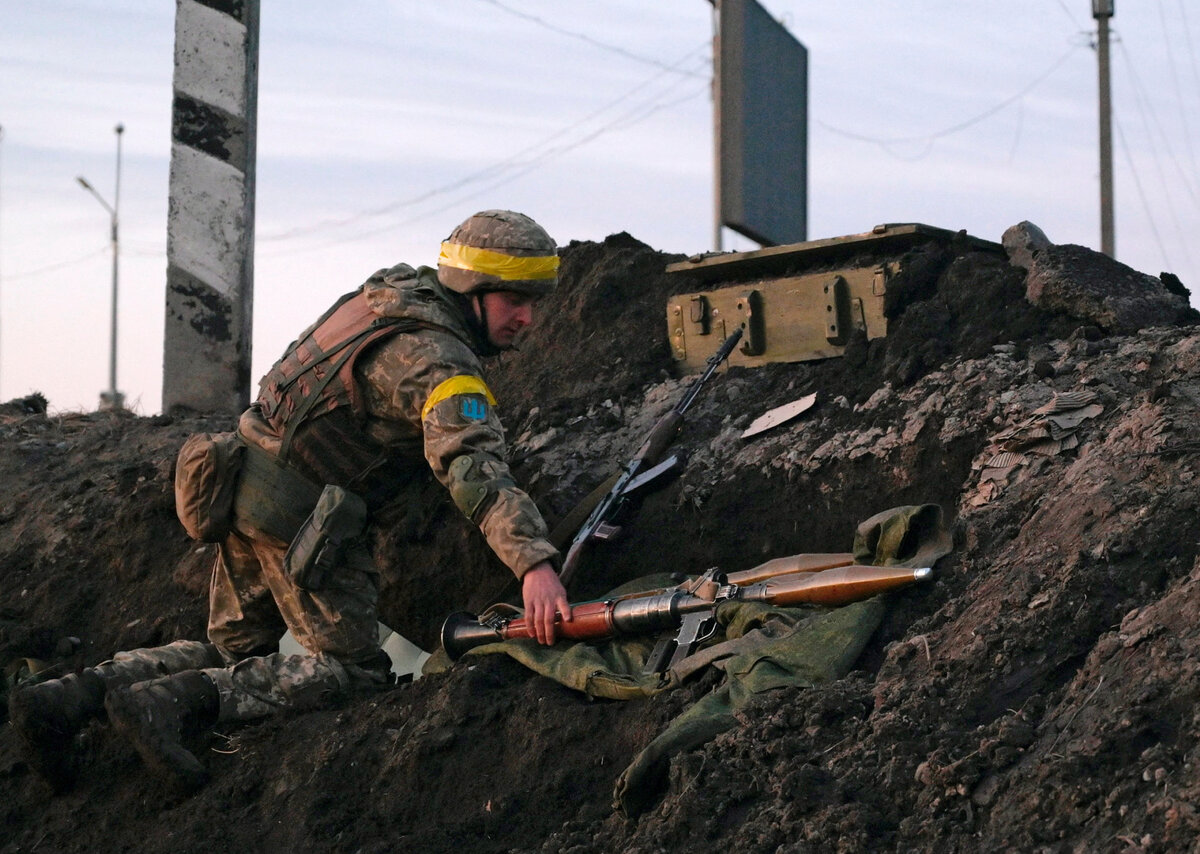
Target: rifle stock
660,438
600,522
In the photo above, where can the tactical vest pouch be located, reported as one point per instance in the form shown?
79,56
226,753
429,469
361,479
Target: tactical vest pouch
272,496
206,474
339,518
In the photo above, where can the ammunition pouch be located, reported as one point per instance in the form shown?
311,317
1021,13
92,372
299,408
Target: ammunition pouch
318,523
272,496
206,475
337,520
474,481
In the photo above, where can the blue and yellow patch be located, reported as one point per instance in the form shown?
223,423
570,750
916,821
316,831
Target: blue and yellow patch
471,394
473,407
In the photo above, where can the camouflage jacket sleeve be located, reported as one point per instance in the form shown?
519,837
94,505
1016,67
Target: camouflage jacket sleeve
432,380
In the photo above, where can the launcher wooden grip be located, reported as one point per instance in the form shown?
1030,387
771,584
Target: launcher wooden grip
589,620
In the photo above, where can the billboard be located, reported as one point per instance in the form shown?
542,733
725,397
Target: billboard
762,126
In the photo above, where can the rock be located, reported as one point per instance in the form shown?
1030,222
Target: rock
1092,287
1171,283
1022,242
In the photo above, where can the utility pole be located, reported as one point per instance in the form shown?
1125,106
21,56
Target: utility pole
210,215
1,237
716,100
1102,10
111,399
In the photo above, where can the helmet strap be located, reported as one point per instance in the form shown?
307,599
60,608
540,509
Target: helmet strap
476,313
481,311
474,318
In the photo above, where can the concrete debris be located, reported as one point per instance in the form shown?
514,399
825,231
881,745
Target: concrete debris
1100,290
1022,242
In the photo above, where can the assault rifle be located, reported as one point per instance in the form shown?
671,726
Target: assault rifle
802,579
647,465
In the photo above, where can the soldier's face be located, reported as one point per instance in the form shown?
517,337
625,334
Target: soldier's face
507,314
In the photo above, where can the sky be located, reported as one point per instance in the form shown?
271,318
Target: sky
381,125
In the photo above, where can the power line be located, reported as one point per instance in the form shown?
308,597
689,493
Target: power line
1146,106
515,160
929,138
624,120
1187,34
1183,117
512,167
1141,193
628,122
584,37
1071,15
25,274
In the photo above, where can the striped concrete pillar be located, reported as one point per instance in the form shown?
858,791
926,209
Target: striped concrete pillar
210,217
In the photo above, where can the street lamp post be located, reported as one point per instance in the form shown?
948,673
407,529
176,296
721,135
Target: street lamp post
111,399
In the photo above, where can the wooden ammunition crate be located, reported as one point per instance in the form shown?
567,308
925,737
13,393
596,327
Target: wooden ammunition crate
796,302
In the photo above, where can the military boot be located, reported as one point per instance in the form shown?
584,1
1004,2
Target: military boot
48,716
158,716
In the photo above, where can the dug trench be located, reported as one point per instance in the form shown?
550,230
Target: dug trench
1040,694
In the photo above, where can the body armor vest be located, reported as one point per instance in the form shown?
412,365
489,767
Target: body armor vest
311,399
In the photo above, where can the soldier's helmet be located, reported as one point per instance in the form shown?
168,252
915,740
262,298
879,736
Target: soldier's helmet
499,251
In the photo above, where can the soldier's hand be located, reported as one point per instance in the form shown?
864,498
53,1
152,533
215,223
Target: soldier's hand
544,596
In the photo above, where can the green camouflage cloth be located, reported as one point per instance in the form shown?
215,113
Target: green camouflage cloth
140,665
759,648
262,685
252,601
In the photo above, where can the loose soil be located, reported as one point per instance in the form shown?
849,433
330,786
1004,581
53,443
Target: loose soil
1043,694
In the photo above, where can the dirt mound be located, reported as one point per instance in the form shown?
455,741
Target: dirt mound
1042,694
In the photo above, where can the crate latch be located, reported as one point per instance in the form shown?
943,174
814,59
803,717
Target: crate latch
838,322
749,309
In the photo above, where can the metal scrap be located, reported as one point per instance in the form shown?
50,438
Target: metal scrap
1051,429
779,415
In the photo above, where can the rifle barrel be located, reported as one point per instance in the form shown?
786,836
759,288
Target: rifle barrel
714,362
650,454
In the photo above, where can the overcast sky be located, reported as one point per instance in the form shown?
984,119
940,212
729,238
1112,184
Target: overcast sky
383,124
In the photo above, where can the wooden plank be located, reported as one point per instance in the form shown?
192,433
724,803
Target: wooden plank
892,237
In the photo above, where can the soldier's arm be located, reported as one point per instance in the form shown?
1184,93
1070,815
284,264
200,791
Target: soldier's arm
544,596
433,380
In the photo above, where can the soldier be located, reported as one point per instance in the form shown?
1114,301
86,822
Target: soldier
387,383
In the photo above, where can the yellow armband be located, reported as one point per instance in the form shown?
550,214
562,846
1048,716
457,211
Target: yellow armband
462,384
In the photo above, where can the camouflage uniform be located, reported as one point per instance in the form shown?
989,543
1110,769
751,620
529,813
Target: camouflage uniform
384,389
427,407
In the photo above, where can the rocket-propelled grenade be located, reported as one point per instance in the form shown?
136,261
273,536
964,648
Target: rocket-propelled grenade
691,606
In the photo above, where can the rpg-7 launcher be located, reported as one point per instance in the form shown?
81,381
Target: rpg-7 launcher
646,465
692,606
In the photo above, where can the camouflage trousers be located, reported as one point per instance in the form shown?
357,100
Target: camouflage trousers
253,687
252,602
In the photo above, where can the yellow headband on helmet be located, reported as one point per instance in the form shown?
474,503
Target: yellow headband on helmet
509,268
